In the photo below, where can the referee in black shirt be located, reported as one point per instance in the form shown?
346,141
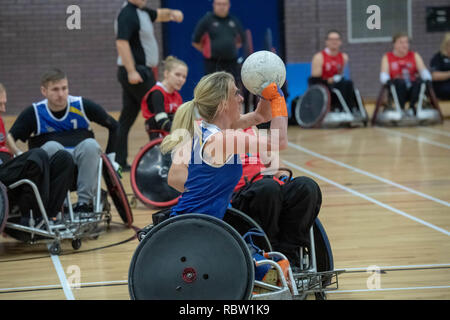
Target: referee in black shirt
138,53
218,36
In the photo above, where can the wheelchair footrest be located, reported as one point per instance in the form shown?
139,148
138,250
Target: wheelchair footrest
310,282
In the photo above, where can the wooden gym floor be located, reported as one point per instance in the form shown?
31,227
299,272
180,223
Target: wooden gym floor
386,206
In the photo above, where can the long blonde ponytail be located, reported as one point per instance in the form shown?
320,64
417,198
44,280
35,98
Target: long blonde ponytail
209,94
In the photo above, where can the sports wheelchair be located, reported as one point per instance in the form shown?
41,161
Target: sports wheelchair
313,109
389,113
149,172
200,257
67,225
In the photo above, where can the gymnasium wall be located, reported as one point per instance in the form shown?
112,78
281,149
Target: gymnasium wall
306,24
34,37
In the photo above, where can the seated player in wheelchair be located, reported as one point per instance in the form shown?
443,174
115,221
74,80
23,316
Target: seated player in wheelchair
405,77
328,67
52,176
405,70
162,101
62,121
283,206
203,169
207,177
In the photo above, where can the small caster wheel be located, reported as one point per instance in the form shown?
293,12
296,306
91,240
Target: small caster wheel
76,244
55,249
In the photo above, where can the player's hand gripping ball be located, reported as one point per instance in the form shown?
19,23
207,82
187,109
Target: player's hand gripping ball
262,68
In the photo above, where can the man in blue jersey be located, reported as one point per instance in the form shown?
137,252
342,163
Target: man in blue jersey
62,121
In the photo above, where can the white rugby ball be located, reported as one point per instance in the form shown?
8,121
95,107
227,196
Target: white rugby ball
262,68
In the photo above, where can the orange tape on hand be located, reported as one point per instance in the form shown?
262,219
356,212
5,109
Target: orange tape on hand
276,98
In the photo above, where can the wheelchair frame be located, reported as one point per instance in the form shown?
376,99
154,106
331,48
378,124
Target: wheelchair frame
397,117
332,119
297,284
137,193
72,227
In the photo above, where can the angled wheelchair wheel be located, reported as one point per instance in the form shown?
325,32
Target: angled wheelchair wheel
4,206
116,191
149,177
324,255
313,106
191,257
242,223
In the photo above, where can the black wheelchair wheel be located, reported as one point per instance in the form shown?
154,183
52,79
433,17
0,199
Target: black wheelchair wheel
324,255
116,191
242,223
149,177
4,206
312,107
191,257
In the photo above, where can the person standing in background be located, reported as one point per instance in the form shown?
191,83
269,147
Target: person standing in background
440,69
137,50
218,36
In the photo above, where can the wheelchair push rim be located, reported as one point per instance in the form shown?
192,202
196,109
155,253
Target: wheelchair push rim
174,262
305,106
4,206
137,183
116,191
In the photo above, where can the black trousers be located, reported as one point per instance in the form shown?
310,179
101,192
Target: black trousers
442,89
346,88
132,95
52,176
405,94
285,212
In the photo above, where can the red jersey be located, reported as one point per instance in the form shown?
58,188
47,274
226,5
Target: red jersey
400,67
171,101
3,147
332,65
251,165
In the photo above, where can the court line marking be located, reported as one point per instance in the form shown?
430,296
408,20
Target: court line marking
410,136
387,289
379,203
83,284
62,277
368,174
436,131
411,266
58,286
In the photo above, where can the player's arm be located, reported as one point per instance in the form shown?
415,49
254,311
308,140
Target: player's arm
423,71
96,113
22,129
11,145
156,100
199,32
436,69
167,15
178,171
316,65
384,70
261,114
126,27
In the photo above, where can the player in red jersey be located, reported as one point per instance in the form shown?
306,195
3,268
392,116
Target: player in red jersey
328,68
405,69
163,99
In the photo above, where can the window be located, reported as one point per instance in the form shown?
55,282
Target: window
377,20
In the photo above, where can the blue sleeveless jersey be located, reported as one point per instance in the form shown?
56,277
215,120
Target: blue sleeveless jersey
75,118
208,189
